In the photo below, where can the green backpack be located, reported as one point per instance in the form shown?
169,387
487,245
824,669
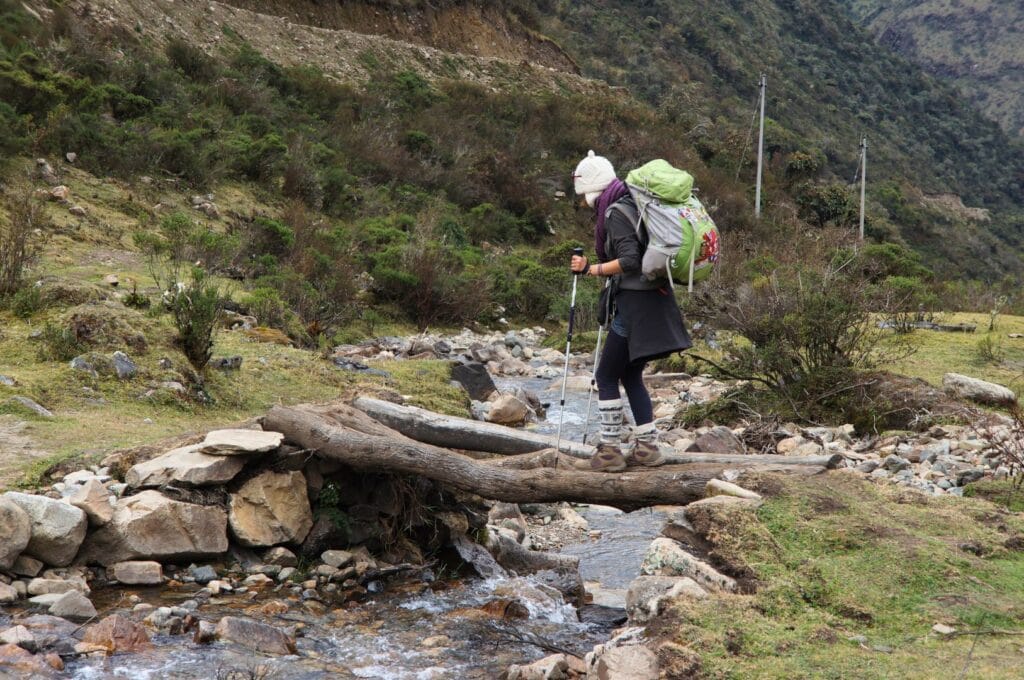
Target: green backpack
683,241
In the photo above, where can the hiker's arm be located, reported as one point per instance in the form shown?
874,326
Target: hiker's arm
580,266
624,244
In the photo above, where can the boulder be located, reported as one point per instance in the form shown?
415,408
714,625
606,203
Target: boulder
15,532
554,667
149,526
22,636
633,662
666,557
240,442
187,465
977,390
22,663
73,606
32,406
124,367
271,508
508,409
93,498
337,558
282,557
475,379
49,586
27,566
118,634
255,636
58,528
136,573
8,595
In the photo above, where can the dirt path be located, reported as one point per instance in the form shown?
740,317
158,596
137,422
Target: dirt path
16,450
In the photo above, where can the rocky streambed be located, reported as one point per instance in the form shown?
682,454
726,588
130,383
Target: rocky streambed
239,554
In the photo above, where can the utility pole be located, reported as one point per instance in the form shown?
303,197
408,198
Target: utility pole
760,150
863,180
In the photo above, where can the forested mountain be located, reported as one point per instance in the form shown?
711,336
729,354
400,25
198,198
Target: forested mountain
978,45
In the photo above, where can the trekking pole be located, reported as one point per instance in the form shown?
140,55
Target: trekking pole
568,345
597,360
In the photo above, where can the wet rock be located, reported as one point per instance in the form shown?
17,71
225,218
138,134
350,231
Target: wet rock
73,606
271,508
719,439
93,498
977,390
21,636
258,637
187,465
118,634
508,409
240,442
15,532
136,573
32,406
206,633
666,557
475,379
149,526
646,595
57,528
22,663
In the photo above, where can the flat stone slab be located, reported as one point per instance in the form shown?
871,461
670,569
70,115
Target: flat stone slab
187,465
977,390
240,442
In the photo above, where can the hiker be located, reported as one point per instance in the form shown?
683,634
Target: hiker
646,323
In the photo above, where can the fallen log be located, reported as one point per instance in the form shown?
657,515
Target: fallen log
462,433
627,490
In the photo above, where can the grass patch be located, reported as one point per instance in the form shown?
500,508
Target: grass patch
845,557
999,491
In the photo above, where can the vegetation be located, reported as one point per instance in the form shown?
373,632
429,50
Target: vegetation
24,217
894,563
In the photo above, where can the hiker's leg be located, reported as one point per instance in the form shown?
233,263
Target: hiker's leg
645,452
614,359
608,457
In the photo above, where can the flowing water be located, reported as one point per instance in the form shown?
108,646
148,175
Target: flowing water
411,631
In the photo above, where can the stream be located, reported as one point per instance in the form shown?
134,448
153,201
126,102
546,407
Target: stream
413,630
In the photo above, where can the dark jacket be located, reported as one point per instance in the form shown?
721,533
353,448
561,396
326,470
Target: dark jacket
648,309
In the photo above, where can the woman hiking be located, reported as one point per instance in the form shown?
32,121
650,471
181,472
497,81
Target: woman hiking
646,323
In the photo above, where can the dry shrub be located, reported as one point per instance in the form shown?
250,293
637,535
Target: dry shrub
25,215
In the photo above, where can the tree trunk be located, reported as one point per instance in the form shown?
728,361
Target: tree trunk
462,433
332,436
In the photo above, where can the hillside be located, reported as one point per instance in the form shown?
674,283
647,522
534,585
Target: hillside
977,45
828,85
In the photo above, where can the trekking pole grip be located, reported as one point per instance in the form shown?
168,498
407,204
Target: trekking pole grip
578,252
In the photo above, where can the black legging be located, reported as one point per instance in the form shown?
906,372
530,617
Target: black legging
615,367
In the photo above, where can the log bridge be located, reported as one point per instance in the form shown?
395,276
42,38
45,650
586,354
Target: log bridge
383,437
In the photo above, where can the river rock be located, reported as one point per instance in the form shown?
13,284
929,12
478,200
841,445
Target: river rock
258,637
27,566
475,379
718,439
647,593
337,558
118,634
22,663
58,529
136,573
281,557
187,465
554,667
73,606
508,409
666,557
8,595
240,442
93,498
149,526
15,532
271,508
977,390
49,586
21,636
632,662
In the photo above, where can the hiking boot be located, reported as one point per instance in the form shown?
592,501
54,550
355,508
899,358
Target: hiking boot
646,453
607,459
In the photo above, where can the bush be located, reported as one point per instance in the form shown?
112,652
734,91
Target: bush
197,309
27,302
58,343
25,214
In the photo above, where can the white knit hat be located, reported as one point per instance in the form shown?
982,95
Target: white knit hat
592,176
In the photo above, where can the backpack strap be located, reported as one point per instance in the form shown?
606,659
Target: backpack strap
628,211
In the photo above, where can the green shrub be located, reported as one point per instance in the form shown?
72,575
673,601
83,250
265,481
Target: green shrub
25,215
191,61
58,343
26,302
197,309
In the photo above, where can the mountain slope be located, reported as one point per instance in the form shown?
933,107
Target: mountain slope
978,45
